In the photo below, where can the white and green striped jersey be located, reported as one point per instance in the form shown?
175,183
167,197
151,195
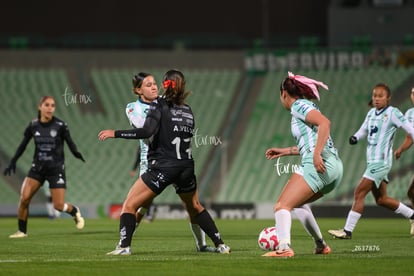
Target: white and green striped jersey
379,127
409,115
136,113
304,133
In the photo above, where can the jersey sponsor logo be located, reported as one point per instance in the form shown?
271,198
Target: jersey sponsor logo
176,112
37,133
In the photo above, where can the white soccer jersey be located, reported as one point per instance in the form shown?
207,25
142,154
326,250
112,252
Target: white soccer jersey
136,113
379,127
304,133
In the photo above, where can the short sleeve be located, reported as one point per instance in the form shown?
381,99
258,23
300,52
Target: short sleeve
135,115
301,108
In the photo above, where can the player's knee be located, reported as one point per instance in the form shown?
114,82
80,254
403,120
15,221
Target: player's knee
24,202
381,201
359,195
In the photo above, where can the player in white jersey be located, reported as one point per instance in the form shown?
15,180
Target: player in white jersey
321,166
145,87
379,127
409,115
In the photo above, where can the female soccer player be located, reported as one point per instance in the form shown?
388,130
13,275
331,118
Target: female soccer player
379,127
48,133
171,123
145,87
321,165
409,115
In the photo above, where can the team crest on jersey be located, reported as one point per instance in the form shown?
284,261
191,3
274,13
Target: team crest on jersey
385,118
53,133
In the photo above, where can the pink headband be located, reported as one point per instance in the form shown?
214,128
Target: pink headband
312,84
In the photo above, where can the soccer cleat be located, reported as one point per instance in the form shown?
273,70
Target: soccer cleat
120,251
280,253
412,227
206,248
325,250
223,249
340,234
18,234
80,222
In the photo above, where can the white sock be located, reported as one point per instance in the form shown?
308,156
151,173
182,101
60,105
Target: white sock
306,217
65,207
283,224
351,220
404,210
199,235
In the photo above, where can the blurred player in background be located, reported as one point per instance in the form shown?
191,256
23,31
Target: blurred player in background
321,166
52,213
379,127
409,115
49,134
171,123
145,87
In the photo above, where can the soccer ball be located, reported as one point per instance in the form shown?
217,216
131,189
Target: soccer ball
267,239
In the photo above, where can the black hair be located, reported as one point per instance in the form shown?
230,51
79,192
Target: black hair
138,79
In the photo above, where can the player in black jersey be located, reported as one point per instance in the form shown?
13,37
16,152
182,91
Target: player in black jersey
48,133
170,121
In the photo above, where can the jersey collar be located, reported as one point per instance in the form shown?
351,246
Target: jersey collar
379,112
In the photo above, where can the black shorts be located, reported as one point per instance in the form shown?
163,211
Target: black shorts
183,179
55,175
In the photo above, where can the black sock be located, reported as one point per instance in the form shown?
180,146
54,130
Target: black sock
74,211
412,217
209,227
127,225
22,225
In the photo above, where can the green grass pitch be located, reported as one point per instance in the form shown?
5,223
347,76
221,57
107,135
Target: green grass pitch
166,247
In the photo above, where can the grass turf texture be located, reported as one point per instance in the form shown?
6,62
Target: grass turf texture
166,247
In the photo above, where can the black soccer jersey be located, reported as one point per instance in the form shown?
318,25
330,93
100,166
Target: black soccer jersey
173,128
49,139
